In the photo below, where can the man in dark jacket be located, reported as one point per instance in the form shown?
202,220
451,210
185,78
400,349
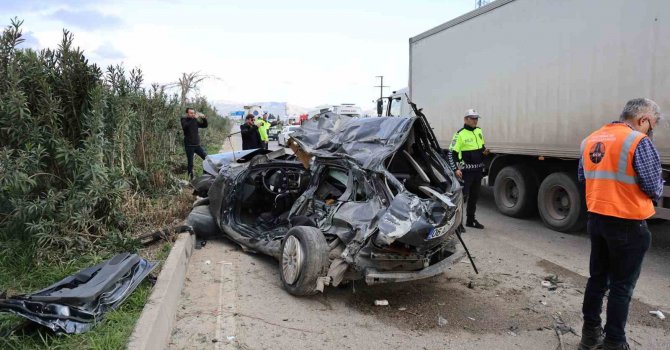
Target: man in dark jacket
251,138
190,124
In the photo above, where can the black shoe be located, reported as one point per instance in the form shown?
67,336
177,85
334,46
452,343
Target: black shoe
592,338
475,224
615,346
461,228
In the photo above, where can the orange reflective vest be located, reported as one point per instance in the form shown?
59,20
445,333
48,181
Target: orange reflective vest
611,188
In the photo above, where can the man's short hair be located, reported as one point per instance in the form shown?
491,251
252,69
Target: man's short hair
189,108
249,116
638,106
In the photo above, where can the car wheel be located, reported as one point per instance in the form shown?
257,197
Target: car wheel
561,203
304,258
515,191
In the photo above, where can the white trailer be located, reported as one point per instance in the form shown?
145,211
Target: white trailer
543,74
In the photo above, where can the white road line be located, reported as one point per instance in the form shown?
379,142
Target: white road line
225,319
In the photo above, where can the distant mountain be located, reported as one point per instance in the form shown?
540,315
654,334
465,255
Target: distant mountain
276,108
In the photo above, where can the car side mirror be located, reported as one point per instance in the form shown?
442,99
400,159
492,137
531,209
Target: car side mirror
380,106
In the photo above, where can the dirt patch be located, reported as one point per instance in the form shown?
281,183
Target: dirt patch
477,307
638,313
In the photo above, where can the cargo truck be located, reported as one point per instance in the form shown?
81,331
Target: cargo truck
543,74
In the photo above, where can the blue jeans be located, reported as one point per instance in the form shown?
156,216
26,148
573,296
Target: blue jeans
617,250
190,150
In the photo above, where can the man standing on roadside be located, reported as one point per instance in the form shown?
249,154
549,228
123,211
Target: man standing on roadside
263,127
622,171
467,151
190,125
251,138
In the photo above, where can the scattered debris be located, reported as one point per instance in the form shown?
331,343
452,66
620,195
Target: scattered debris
560,326
230,338
165,233
658,313
76,303
543,302
553,279
441,321
549,282
470,285
382,302
402,308
441,304
208,262
214,340
471,318
512,333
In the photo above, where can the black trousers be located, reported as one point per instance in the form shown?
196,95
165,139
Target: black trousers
617,250
471,188
190,150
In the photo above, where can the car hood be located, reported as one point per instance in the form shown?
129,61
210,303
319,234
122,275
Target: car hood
366,141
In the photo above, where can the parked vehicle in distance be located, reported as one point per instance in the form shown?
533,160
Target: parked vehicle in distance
273,133
286,132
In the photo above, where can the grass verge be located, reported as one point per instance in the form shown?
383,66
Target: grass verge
111,333
114,331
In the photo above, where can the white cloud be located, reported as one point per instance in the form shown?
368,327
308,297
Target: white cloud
303,52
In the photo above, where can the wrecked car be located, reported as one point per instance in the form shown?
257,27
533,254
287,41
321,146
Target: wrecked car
363,198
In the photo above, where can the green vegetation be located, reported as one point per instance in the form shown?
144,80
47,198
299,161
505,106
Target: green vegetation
112,333
89,159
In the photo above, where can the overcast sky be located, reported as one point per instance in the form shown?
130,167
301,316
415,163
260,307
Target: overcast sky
302,52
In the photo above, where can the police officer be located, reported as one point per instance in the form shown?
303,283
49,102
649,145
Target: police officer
467,151
622,171
263,127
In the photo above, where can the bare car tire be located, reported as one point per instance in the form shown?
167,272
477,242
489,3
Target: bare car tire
561,203
515,191
304,258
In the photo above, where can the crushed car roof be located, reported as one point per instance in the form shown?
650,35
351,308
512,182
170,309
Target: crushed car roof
367,141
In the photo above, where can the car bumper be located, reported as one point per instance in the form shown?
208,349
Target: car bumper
372,276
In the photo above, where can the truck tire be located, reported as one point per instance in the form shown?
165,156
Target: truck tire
304,258
561,203
515,191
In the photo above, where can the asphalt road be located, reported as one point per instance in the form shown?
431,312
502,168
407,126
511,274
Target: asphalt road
234,300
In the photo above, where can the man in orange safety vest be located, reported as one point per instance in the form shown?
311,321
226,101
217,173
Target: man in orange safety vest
622,171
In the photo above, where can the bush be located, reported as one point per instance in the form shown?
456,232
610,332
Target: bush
76,143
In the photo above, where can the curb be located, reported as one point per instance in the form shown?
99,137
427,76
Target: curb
154,327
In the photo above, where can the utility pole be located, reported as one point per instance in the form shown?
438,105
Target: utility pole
381,86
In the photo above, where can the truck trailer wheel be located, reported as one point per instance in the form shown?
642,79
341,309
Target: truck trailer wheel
304,258
515,191
561,204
